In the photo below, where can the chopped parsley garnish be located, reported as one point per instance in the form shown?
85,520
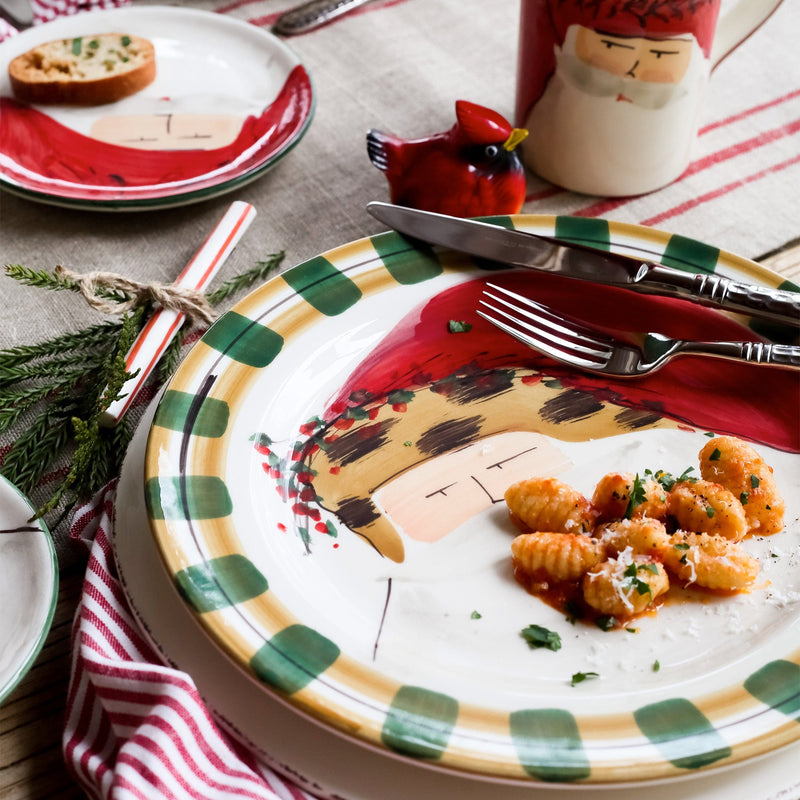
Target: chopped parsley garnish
631,579
458,326
126,40
573,611
681,546
475,615
754,481
710,511
580,677
77,46
656,666
668,480
715,454
637,497
537,636
743,498
605,622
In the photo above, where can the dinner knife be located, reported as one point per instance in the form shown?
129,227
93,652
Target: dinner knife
313,14
532,251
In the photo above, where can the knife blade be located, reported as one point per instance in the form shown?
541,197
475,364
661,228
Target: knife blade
532,251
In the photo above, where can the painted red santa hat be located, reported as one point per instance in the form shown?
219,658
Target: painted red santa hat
657,19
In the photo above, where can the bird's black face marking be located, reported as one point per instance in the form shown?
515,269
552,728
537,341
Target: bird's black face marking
489,157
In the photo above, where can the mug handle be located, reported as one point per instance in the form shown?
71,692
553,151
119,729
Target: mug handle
737,23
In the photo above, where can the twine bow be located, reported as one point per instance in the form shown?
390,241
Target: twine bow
99,287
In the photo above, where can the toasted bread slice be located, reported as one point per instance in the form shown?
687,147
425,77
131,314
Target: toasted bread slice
85,70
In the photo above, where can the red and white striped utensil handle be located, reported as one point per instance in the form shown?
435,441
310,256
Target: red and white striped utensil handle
161,328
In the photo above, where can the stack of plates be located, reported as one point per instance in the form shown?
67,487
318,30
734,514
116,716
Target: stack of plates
28,586
228,102
310,523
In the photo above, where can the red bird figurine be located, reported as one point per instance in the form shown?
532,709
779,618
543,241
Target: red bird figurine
472,170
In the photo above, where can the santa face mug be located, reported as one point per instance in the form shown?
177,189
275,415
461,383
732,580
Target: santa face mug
611,90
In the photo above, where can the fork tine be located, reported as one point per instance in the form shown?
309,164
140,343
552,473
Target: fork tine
570,327
540,330
544,329
569,355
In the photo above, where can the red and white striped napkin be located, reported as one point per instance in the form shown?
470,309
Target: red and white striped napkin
134,727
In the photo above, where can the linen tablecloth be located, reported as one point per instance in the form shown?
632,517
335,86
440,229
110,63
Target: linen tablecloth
397,65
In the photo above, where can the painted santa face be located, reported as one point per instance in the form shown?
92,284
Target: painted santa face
639,58
432,499
647,72
619,114
168,131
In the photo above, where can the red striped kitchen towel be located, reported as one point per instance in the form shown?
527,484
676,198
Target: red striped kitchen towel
134,727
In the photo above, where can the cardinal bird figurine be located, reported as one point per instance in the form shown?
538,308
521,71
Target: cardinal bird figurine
472,170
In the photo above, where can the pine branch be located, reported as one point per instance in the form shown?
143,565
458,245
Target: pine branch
102,335
90,461
17,401
38,278
42,279
30,456
236,284
77,364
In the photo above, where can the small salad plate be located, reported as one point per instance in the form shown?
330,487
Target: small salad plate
28,586
228,101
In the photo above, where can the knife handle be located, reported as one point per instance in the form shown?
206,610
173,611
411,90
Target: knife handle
313,14
778,305
778,355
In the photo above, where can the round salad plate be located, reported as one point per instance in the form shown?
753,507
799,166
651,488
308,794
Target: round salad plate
229,100
28,586
324,480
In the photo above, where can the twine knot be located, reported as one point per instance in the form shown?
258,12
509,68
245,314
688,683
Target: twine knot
98,289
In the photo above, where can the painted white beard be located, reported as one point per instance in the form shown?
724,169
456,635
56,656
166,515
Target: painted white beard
583,138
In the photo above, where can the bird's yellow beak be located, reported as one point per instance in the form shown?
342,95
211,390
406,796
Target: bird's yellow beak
517,135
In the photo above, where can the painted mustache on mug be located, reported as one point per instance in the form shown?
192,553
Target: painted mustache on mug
600,83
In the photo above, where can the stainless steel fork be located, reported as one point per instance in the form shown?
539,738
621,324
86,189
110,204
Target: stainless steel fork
575,343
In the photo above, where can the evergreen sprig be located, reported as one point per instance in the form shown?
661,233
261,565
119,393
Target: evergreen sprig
53,394
41,279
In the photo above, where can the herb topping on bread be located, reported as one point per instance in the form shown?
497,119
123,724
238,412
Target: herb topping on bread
85,70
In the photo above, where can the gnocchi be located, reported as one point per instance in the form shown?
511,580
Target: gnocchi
556,556
740,469
612,496
623,588
547,504
644,536
711,561
618,552
707,507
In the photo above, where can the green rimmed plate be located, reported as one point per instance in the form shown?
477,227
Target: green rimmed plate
228,102
323,479
28,586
